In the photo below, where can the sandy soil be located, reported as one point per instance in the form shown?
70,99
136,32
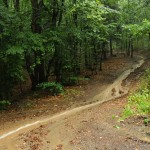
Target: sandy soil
93,128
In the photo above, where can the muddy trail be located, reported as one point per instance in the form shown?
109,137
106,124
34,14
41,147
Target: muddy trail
89,127
34,107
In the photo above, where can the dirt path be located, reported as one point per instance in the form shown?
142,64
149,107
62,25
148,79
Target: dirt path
32,109
88,127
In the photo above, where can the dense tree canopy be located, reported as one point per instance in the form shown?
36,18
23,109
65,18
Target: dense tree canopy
65,37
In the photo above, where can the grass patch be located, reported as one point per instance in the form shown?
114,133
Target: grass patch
139,102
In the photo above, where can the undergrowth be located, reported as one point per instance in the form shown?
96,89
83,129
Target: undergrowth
139,102
53,87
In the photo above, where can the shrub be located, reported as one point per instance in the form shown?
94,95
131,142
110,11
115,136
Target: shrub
53,87
4,104
139,102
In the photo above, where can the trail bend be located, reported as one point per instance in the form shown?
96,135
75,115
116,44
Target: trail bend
115,90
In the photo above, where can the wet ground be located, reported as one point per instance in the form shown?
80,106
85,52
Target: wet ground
92,128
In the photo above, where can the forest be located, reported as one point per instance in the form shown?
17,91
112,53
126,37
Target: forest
87,58
61,38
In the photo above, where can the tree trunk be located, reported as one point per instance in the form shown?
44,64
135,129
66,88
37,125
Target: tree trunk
61,12
42,72
57,56
86,58
111,49
58,64
103,55
34,80
75,43
131,47
55,13
101,59
75,16
16,5
128,47
35,26
39,74
104,51
49,67
149,41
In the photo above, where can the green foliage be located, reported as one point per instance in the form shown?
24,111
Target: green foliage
146,121
145,80
139,102
133,30
4,104
11,53
137,30
127,112
11,71
67,35
146,26
53,87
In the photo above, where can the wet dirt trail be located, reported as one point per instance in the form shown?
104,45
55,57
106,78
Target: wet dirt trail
88,127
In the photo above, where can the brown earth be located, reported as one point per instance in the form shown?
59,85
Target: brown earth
35,106
90,129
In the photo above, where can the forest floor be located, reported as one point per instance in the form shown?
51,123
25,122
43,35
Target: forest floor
92,128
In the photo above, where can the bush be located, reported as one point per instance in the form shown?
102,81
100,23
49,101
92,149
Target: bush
139,102
4,104
53,87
